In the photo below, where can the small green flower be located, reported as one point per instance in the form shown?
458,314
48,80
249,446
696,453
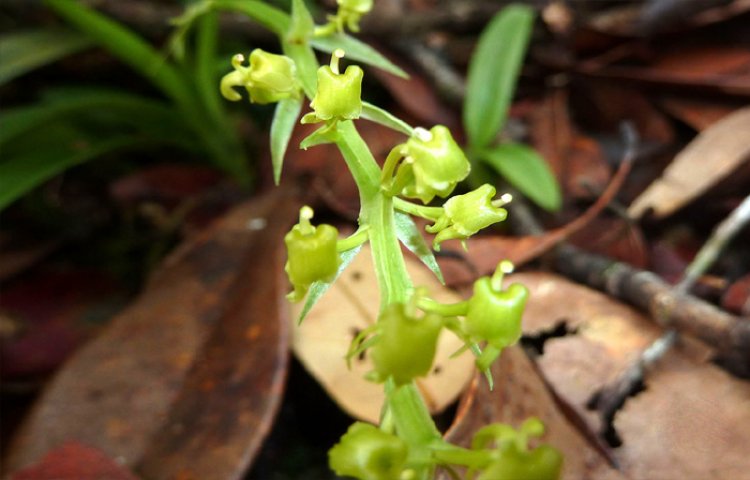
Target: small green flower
494,314
464,215
312,254
431,163
339,95
351,11
405,346
368,453
268,79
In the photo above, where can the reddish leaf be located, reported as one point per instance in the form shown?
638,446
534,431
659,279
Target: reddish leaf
118,392
737,297
74,461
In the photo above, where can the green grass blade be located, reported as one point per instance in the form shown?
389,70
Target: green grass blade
71,104
284,121
376,114
523,168
206,74
409,235
128,47
20,174
22,52
493,73
358,51
270,17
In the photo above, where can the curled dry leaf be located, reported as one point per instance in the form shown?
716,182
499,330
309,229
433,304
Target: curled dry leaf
690,422
350,306
131,392
709,158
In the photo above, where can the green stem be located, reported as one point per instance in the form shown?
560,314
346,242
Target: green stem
446,310
429,213
354,240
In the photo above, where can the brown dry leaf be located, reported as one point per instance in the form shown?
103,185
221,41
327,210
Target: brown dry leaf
520,393
699,114
351,305
691,421
75,461
118,392
709,158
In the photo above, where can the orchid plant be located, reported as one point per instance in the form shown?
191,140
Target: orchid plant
427,165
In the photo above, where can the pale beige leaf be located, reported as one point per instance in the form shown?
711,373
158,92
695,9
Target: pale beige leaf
709,158
690,422
351,305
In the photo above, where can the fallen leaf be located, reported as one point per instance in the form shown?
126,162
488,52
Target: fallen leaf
689,422
117,393
521,393
351,305
699,114
710,157
74,461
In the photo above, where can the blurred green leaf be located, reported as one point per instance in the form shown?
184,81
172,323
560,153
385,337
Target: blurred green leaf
284,121
523,168
307,65
21,173
376,114
128,47
493,73
22,52
270,17
409,235
358,51
157,118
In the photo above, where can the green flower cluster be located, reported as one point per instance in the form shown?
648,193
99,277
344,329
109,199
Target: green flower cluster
268,79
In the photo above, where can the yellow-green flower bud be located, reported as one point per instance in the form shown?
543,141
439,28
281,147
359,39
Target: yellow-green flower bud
368,453
358,6
406,345
464,215
268,79
312,254
433,164
339,95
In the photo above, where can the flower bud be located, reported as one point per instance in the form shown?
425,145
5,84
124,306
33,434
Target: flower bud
312,254
268,79
464,215
433,164
368,453
406,345
339,95
495,315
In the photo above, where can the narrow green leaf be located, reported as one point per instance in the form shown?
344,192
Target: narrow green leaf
523,168
376,114
270,17
71,104
20,174
317,289
206,75
302,24
321,136
408,234
493,73
22,52
307,65
358,51
128,47
284,120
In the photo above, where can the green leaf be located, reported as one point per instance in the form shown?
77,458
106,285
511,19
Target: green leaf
284,120
19,174
302,24
22,52
128,47
307,65
155,117
358,51
321,136
376,114
317,289
270,17
408,234
206,75
493,73
523,168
